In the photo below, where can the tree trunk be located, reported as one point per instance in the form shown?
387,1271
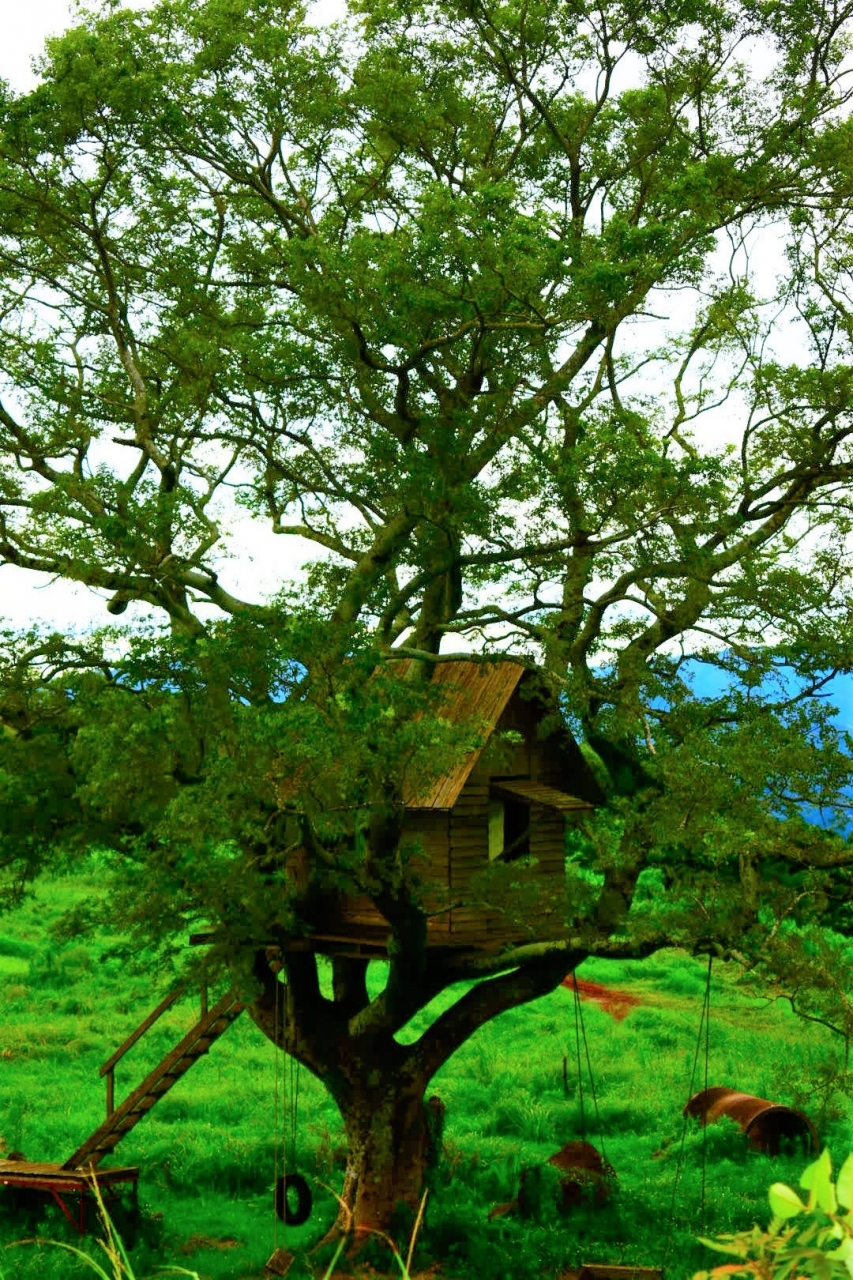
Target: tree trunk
393,1134
393,1141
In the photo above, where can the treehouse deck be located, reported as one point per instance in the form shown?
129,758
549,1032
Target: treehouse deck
366,938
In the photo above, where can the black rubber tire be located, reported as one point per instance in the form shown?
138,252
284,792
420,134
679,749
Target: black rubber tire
302,1212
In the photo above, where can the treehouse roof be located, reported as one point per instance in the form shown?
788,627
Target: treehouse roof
481,691
470,690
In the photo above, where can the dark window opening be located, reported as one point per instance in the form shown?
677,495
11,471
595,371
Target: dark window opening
509,829
516,830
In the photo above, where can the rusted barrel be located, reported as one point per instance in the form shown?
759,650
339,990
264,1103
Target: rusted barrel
767,1125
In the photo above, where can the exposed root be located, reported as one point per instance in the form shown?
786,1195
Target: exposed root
357,1237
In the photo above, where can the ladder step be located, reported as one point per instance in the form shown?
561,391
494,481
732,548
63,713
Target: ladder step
194,1045
165,1082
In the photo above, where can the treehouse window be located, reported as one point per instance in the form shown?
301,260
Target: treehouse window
509,829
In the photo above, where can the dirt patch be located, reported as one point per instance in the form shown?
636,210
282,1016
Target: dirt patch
366,1272
613,1001
197,1242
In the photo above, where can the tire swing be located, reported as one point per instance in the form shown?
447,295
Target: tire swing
293,1184
293,1217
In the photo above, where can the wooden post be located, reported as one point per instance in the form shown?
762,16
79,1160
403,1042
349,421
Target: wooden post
110,1092
204,997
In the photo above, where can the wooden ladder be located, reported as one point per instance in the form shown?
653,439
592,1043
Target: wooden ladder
120,1120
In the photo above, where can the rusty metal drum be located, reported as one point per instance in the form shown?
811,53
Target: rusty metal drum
766,1125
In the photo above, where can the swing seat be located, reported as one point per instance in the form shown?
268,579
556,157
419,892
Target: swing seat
279,1263
606,1271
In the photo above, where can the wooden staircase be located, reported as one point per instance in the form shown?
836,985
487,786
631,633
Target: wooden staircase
120,1120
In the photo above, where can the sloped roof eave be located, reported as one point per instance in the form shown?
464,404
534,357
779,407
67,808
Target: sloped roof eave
474,689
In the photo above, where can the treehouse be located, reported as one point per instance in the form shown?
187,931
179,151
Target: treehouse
505,804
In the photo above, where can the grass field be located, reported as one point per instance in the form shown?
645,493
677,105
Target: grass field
206,1151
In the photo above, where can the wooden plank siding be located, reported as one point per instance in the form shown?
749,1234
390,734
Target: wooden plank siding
469,850
430,830
547,846
547,840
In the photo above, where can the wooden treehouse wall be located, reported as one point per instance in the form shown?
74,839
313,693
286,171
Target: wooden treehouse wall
431,830
455,841
469,828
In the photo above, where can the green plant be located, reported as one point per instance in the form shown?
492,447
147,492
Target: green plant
122,1269
803,1240
112,1246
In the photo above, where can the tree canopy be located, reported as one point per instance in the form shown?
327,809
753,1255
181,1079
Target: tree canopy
465,296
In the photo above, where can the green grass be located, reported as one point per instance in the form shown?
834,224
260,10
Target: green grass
206,1151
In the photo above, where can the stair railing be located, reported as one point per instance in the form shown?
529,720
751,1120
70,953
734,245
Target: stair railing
108,1069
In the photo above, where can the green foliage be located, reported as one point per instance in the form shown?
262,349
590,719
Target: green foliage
418,322
812,1239
111,1244
539,1197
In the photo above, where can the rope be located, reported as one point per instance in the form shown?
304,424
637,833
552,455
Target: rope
706,1012
579,1013
285,1105
580,1080
294,1107
704,1022
279,1111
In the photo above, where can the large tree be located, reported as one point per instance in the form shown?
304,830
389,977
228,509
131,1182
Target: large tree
464,296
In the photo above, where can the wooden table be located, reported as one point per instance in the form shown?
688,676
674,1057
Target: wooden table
61,1183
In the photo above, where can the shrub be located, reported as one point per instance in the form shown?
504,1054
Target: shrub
803,1240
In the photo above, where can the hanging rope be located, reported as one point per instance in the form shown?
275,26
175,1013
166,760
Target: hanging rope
704,1026
286,1182
294,1108
706,1013
278,1089
580,1080
579,1025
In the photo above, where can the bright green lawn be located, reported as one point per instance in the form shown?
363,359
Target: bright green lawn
207,1151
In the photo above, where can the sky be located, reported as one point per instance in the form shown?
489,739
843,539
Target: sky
25,25
26,597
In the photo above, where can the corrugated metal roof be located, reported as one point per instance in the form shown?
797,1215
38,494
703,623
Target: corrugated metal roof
538,793
470,690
